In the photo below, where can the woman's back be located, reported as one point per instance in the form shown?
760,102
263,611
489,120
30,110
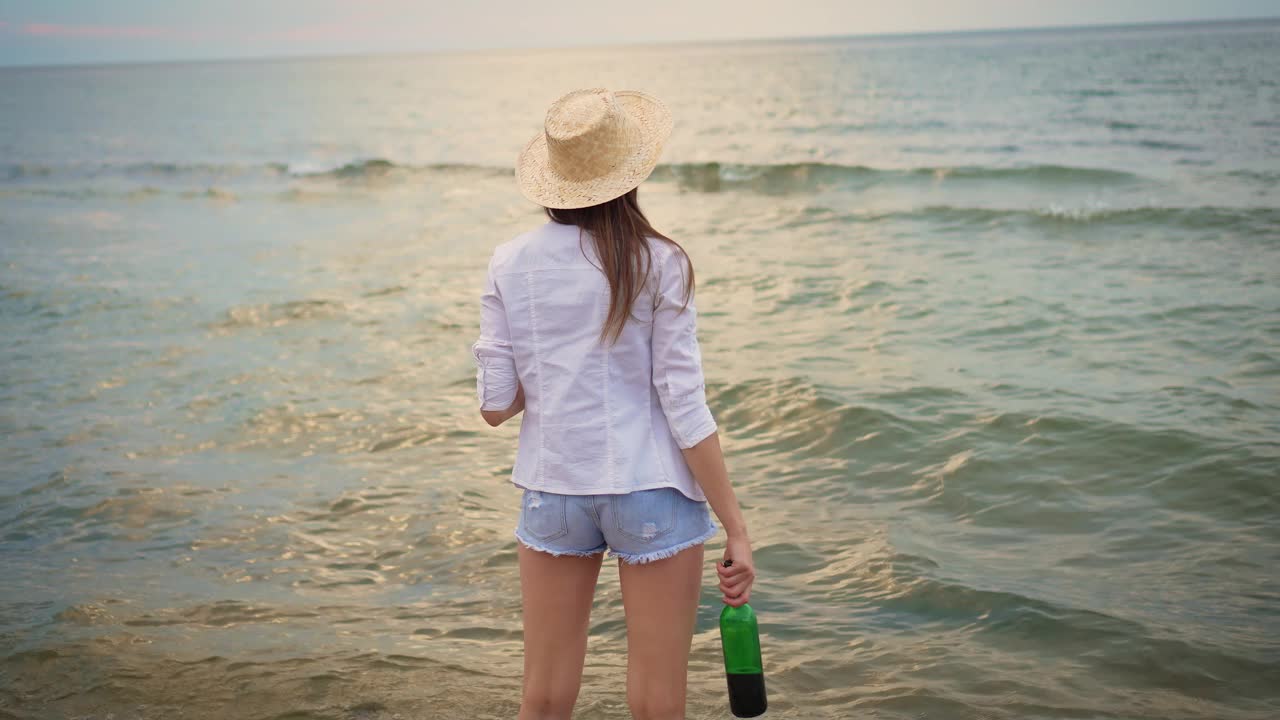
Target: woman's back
599,417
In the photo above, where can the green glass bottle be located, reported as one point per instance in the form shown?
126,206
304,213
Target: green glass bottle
743,667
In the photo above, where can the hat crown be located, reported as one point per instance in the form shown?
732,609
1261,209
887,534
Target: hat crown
588,134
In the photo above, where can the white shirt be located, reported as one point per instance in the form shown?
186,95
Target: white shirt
598,419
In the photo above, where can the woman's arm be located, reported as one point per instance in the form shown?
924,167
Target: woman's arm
706,461
497,383
678,378
497,417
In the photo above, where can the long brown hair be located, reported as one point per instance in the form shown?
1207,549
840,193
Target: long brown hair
618,229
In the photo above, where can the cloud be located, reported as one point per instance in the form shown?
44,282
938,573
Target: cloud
94,31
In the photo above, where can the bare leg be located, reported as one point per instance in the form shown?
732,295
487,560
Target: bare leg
661,602
557,593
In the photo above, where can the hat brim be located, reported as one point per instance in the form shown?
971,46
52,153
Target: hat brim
542,185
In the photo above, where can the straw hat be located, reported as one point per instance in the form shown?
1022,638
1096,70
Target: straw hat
596,145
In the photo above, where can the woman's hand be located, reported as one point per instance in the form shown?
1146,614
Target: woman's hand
736,580
518,405
497,417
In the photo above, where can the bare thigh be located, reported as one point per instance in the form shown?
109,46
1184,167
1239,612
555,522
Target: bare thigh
661,603
556,593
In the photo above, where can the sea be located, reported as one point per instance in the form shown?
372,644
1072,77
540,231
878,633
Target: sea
990,324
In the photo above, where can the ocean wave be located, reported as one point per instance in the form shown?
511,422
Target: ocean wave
311,184
20,172
380,168
1269,178
1252,219
1131,639
788,177
1094,92
706,176
1121,125
794,415
1013,618
1260,220
1150,144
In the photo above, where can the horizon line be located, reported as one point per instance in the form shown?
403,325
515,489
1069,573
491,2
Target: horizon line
780,39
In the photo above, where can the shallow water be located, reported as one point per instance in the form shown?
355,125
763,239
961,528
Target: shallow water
990,325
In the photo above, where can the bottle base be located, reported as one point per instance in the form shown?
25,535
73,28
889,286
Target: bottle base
746,695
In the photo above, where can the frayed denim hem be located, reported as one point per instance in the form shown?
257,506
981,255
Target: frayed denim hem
549,551
634,559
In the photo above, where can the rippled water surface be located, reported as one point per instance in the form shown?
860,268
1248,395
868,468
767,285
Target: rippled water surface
991,326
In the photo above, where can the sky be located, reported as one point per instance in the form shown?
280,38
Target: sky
52,32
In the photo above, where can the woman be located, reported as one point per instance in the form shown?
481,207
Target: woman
588,325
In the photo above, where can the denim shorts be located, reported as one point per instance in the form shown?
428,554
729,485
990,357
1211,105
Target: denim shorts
639,526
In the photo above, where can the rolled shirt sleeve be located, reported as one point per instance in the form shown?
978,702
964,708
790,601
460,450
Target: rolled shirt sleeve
677,359
496,379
